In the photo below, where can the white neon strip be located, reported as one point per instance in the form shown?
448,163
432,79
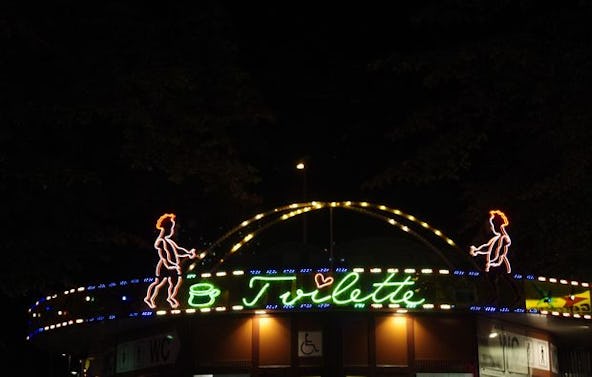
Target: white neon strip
190,311
221,308
443,272
426,270
401,311
238,272
575,283
221,273
542,278
260,312
563,281
358,269
376,270
555,313
80,289
445,306
161,312
585,285
237,307
206,275
428,306
205,310
394,306
79,320
175,311
376,306
587,316
409,270
552,280
544,312
392,270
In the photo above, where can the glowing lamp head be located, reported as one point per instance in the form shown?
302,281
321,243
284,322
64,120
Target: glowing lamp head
300,166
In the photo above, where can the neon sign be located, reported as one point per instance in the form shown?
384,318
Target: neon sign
498,244
168,269
345,290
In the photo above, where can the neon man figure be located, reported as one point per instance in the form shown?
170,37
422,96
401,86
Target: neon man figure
168,268
498,244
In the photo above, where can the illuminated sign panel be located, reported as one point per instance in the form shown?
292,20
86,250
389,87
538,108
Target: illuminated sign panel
562,298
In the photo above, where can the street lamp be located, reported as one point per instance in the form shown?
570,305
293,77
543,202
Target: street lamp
302,167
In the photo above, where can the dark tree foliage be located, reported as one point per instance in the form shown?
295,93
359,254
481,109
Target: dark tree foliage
110,116
495,99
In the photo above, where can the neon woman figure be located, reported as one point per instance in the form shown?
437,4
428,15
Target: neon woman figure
498,244
168,268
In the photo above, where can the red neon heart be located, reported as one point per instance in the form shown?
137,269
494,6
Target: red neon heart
323,281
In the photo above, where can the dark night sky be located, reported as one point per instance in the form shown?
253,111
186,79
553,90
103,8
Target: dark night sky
115,113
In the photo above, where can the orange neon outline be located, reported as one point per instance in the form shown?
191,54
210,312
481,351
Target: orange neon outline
499,240
322,281
170,255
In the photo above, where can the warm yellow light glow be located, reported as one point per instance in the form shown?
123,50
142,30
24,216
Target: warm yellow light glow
300,166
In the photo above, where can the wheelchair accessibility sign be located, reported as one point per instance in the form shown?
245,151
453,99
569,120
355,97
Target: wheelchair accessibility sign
310,343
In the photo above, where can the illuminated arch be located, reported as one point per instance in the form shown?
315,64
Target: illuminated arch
418,229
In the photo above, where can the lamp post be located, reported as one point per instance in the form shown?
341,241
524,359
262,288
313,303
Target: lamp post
302,167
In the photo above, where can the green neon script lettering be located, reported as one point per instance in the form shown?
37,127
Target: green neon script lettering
264,287
345,292
202,295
